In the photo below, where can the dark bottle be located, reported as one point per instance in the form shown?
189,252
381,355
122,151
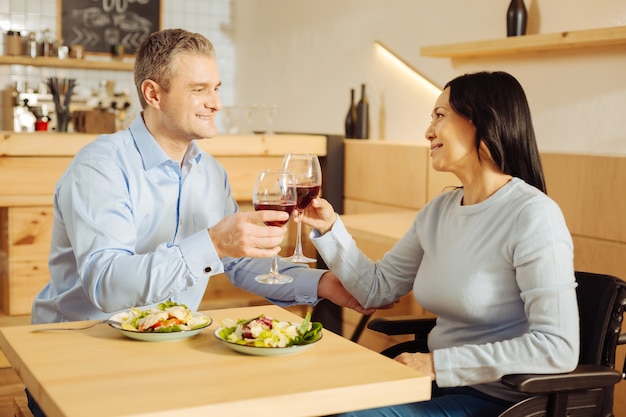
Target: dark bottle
362,130
516,18
350,125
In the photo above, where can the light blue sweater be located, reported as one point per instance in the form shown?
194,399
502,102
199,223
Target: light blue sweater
498,274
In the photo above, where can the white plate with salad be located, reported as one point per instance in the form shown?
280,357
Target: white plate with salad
167,322
265,336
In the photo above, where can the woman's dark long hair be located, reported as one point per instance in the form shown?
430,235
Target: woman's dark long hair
496,104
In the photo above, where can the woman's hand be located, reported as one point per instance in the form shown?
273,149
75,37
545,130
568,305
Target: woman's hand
422,362
320,215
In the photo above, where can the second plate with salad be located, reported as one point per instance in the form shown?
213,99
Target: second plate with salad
264,336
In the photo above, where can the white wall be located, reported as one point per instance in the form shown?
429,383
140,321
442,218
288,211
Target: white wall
306,55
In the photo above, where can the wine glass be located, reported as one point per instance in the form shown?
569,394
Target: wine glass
270,111
274,190
308,175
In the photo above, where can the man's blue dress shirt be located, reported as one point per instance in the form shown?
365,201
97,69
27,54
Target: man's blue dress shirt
130,229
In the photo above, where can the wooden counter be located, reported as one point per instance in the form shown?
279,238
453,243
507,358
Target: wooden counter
31,164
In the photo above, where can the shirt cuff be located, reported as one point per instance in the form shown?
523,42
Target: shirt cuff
443,369
306,284
200,255
304,287
315,234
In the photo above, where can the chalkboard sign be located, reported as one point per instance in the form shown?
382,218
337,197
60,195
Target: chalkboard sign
102,25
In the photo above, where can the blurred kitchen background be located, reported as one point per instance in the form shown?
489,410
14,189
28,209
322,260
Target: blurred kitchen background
300,59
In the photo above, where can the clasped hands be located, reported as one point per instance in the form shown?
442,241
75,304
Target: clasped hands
244,234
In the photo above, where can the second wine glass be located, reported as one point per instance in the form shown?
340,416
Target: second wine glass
274,190
307,172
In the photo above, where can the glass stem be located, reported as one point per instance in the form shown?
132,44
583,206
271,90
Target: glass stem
298,249
274,267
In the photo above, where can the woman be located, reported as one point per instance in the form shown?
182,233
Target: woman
493,258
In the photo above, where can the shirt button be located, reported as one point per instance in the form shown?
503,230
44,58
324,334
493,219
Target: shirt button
207,269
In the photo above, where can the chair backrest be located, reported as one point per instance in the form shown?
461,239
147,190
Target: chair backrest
601,303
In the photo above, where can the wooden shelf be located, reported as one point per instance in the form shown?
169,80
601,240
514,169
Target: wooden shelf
51,62
610,36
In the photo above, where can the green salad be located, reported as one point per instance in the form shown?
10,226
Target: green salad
167,317
263,331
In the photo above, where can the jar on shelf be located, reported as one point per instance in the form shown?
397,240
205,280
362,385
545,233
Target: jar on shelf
47,43
13,43
31,45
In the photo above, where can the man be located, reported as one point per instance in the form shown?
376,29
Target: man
143,215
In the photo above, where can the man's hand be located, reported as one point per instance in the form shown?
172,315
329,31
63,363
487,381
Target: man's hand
244,234
330,287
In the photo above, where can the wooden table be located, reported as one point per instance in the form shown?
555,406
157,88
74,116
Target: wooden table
99,372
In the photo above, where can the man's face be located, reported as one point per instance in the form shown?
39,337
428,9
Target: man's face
189,106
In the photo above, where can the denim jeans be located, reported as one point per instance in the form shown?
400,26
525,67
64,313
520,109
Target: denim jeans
33,406
445,402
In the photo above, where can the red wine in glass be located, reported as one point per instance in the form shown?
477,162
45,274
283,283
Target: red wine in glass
274,190
306,194
307,173
287,207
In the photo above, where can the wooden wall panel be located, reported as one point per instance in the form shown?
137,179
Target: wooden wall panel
31,175
30,231
590,191
25,245
26,279
4,260
393,174
439,182
601,256
242,172
389,176
351,206
264,145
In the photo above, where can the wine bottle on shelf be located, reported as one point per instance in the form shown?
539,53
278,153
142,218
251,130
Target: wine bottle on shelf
516,18
362,130
350,124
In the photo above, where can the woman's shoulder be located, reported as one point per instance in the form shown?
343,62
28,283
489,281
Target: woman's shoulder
534,206
524,193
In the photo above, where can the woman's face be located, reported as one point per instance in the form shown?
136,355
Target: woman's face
452,138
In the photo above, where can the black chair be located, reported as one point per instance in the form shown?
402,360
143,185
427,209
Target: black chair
585,392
